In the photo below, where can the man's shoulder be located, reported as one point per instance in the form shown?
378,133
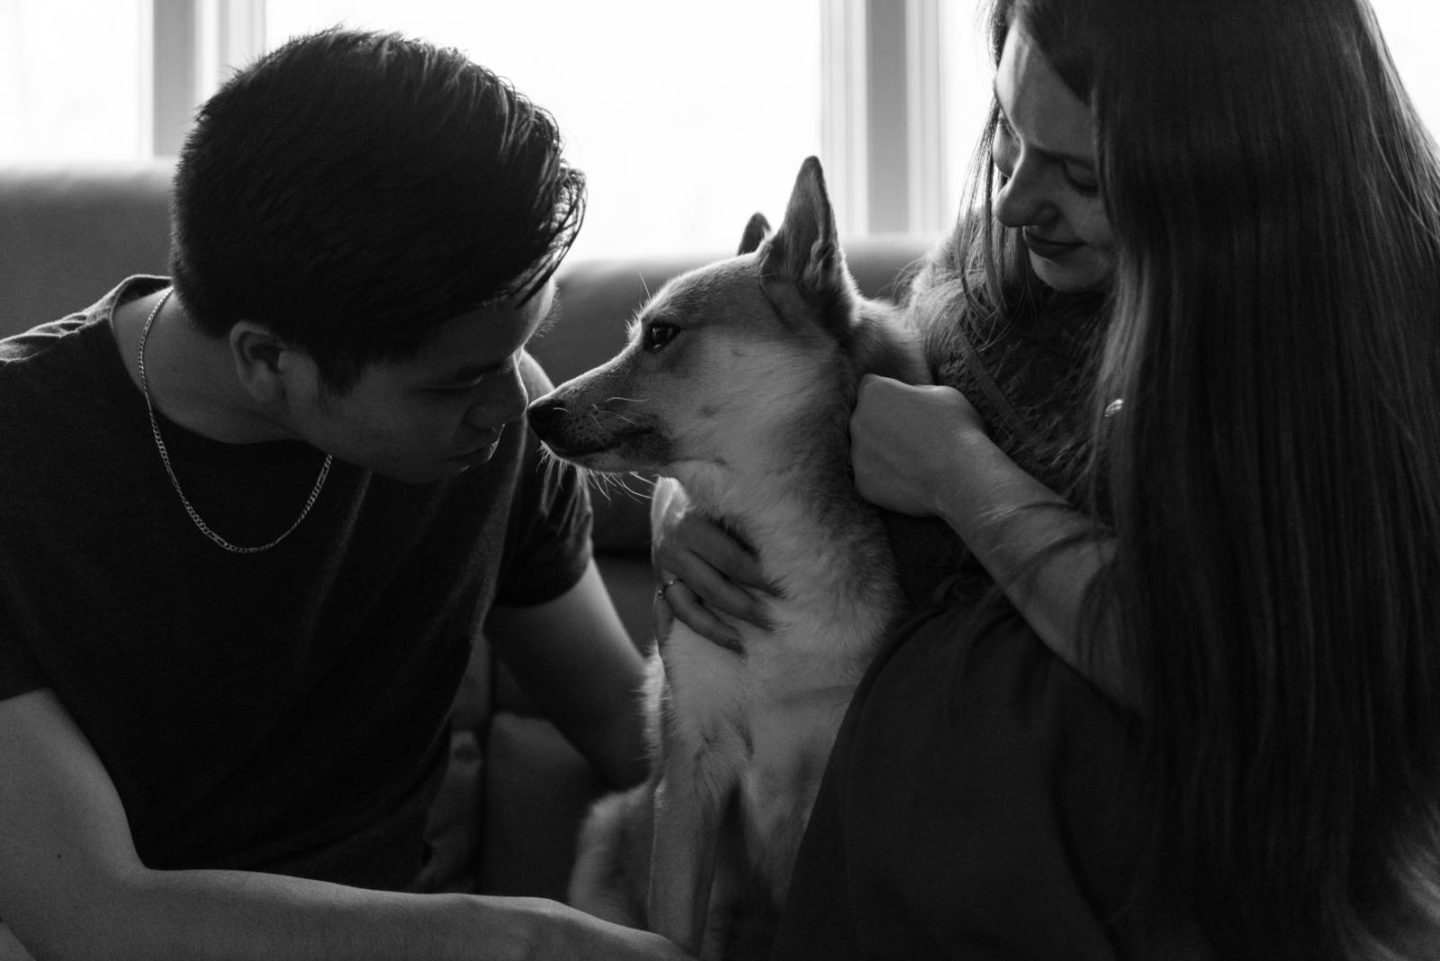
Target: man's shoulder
57,337
60,383
51,368
42,340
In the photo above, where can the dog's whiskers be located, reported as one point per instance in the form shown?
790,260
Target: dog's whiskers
630,420
646,484
611,486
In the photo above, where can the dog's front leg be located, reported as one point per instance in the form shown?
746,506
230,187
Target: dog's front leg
682,856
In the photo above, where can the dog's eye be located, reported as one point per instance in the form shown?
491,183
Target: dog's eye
658,335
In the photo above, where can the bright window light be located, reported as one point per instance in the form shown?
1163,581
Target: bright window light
73,79
686,117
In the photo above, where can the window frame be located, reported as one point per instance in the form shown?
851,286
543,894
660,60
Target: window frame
883,97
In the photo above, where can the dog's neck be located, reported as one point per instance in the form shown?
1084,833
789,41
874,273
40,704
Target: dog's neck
815,537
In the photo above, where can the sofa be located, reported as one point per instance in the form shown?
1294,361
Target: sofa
516,792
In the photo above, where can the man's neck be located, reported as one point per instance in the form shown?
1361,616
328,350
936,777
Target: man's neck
191,375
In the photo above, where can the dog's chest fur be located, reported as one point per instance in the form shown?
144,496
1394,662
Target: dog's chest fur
738,383
765,720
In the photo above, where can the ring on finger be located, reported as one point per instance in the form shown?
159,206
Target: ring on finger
666,586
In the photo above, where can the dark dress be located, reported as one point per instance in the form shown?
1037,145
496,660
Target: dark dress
978,805
980,802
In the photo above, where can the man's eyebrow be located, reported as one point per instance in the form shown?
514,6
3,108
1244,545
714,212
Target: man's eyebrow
473,372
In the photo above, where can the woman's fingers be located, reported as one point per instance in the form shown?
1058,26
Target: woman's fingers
676,602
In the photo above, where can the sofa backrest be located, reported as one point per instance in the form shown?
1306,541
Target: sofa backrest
599,297
70,233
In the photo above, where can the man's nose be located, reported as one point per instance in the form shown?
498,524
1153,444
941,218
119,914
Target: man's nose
505,402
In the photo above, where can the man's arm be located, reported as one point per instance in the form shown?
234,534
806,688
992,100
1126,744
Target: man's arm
73,887
575,658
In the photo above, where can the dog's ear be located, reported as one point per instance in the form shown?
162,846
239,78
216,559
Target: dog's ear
756,230
805,251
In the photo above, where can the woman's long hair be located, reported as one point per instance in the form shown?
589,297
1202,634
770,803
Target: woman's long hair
1273,481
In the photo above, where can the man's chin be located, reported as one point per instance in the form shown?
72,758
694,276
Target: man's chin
481,455
429,471
434,472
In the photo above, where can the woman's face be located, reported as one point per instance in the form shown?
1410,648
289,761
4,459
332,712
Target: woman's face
1044,150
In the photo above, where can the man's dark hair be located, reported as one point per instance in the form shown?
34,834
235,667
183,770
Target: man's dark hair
353,190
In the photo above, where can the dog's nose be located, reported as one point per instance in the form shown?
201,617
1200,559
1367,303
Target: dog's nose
544,414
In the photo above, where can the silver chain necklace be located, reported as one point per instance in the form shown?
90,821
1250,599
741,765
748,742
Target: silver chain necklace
170,471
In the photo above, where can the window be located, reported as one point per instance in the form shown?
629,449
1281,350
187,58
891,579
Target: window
70,80
687,116
1411,27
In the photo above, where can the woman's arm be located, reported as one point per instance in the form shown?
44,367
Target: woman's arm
923,451
919,450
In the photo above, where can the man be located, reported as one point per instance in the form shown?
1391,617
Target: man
248,523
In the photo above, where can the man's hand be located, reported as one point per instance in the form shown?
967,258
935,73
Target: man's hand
568,933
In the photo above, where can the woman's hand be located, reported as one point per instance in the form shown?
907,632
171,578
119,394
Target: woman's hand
923,451
904,440
709,577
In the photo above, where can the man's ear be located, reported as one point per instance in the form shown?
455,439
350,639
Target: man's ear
259,356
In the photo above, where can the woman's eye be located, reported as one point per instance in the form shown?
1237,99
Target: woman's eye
1083,181
656,336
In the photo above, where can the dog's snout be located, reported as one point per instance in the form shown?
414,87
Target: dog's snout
544,414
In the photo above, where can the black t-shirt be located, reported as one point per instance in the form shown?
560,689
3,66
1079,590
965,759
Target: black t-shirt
282,711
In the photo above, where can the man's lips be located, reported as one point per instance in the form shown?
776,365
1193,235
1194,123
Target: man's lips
485,446
1049,249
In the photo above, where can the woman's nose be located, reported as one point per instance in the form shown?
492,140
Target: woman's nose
1022,200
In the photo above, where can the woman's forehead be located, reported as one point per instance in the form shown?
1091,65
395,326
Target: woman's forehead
1038,105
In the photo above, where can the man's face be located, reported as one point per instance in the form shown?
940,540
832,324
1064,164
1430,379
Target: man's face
435,415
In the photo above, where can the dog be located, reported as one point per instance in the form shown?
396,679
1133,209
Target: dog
736,388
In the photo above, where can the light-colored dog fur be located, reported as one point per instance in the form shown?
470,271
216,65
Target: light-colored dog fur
736,387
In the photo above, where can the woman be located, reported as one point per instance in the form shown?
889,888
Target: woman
1237,537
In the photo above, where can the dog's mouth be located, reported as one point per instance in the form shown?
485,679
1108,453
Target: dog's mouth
573,451
607,437
630,448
